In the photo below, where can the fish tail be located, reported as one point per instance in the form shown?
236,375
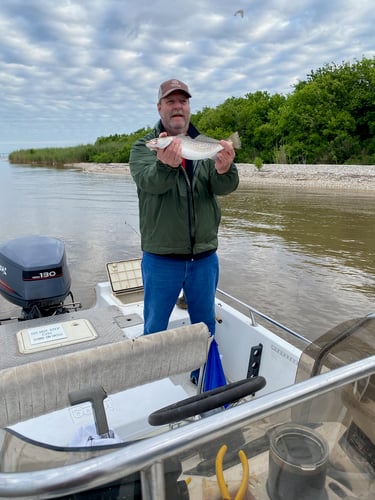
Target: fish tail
235,140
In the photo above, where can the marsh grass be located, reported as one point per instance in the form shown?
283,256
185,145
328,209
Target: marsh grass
112,149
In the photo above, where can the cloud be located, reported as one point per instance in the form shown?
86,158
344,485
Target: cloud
71,71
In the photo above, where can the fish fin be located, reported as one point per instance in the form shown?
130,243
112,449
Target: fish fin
205,138
235,140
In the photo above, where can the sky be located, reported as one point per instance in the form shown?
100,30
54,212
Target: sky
75,70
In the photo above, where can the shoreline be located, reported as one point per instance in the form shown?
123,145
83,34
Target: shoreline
334,177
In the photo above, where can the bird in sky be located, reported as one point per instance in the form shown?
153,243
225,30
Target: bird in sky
240,12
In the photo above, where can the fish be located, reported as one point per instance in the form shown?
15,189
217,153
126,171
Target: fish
199,148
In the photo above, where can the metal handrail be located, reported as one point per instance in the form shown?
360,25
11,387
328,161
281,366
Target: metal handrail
151,452
253,311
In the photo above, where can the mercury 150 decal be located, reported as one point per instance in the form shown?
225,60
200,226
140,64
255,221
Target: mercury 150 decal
3,270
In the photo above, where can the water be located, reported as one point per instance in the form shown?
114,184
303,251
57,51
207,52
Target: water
307,258
95,215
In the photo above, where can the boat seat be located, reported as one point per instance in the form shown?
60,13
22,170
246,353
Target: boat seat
39,387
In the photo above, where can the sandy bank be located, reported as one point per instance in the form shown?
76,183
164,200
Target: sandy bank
339,177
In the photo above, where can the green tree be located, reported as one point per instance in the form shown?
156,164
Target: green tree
330,116
251,116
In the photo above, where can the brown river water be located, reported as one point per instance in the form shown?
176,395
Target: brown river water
305,257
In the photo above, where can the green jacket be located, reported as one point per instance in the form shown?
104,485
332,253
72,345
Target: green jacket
178,216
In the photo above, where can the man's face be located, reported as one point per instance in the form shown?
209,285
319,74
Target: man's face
174,111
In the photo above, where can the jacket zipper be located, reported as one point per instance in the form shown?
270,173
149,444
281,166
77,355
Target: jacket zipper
190,203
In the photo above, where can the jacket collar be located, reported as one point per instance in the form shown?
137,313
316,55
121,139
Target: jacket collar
191,132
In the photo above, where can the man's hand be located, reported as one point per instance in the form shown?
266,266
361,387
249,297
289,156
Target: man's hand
225,157
172,154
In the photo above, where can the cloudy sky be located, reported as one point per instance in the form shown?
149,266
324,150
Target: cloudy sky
74,70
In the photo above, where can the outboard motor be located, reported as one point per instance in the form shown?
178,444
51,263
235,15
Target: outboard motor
34,275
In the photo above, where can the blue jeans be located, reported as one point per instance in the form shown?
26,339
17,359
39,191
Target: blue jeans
163,279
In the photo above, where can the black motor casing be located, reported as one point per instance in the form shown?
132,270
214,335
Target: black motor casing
33,271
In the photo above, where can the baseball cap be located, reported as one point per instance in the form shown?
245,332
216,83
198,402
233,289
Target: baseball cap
170,86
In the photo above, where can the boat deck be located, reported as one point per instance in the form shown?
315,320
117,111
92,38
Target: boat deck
46,339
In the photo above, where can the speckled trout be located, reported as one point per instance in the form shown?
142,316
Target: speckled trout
200,148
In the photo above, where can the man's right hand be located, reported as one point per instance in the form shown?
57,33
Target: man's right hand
172,154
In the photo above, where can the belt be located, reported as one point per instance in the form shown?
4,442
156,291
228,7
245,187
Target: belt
185,256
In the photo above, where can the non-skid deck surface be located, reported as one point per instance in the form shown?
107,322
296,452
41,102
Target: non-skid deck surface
105,321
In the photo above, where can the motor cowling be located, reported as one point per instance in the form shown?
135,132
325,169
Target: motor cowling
34,274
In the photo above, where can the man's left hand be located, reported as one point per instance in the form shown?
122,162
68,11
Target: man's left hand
225,157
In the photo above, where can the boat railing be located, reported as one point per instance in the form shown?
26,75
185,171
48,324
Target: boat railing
149,455
253,313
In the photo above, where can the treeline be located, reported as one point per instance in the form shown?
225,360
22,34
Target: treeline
327,118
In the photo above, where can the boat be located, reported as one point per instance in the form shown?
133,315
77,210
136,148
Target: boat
92,408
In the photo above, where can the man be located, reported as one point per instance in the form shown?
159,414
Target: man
179,215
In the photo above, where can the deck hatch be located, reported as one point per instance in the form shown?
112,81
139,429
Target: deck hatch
125,276
50,336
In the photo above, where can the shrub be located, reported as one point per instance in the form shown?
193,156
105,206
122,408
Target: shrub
258,162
